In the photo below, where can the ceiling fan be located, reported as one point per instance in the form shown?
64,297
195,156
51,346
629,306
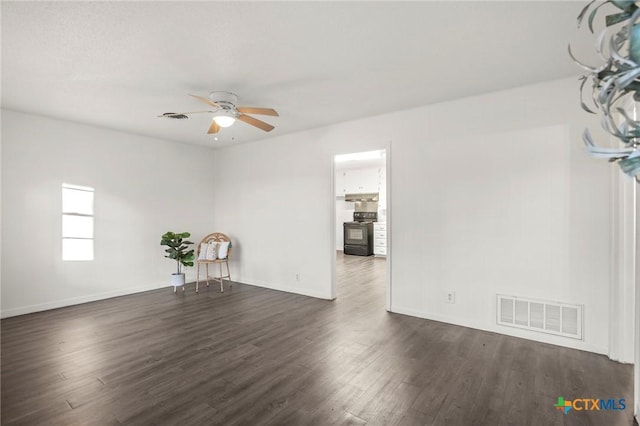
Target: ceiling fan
225,112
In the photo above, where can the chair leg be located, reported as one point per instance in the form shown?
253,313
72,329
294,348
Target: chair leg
207,265
228,272
197,275
221,286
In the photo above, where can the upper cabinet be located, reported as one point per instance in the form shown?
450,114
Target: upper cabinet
360,180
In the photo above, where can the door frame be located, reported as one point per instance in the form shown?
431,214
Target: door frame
387,148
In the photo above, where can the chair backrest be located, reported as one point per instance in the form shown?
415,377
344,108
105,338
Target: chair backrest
217,237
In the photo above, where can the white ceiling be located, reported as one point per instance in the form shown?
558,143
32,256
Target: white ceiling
120,64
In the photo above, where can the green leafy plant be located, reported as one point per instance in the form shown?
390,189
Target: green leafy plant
178,248
615,84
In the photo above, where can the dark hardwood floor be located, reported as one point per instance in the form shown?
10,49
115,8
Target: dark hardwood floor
252,356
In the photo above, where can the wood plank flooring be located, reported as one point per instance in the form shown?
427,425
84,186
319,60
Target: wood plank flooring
252,356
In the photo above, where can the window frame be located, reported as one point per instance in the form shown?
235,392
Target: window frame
66,186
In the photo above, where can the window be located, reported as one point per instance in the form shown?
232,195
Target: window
77,222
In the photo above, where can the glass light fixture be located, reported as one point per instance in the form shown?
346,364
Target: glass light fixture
612,85
224,118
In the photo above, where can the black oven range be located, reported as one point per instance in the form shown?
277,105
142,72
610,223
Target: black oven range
358,235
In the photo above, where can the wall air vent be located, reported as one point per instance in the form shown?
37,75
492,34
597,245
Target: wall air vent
561,319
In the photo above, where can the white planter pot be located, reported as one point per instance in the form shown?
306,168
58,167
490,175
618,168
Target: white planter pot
177,280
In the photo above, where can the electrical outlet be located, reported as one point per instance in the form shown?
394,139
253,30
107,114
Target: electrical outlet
451,297
297,277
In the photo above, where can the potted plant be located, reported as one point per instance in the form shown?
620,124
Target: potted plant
178,251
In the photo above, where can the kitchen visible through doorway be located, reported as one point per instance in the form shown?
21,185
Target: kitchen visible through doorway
361,229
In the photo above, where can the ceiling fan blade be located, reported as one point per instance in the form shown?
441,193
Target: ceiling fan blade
260,111
178,115
255,122
206,101
181,114
214,128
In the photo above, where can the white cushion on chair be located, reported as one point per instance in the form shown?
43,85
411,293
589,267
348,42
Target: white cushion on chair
202,255
223,249
211,251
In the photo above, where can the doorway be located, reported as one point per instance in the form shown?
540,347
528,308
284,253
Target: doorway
361,249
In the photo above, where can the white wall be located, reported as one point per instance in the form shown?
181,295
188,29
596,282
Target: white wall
2,204
489,194
143,188
272,198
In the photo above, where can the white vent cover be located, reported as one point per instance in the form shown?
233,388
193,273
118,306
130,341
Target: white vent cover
561,319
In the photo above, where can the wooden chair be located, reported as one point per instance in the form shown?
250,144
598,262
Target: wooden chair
217,237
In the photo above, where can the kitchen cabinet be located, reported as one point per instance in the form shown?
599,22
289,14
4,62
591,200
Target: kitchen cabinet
356,181
380,239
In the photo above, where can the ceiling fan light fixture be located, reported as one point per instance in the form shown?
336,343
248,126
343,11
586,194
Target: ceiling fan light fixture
224,119
225,113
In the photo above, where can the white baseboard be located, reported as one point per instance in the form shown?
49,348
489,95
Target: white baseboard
83,299
514,332
289,289
190,278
